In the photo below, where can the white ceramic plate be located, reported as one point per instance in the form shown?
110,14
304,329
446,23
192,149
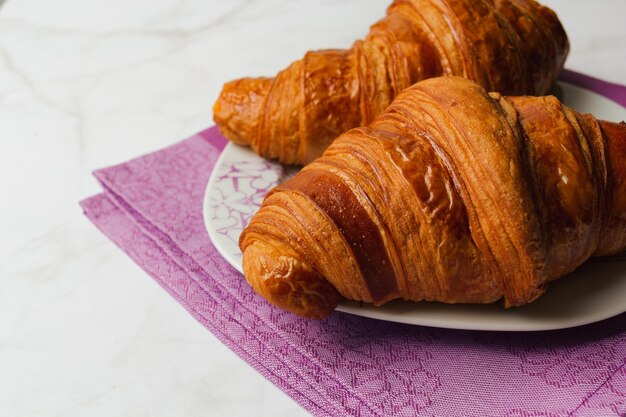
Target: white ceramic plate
596,291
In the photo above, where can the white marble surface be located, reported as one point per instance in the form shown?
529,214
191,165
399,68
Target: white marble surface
85,84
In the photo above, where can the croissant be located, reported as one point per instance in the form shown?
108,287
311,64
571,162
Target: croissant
510,46
452,195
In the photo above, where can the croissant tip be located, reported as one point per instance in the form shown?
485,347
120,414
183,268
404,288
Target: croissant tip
239,107
288,282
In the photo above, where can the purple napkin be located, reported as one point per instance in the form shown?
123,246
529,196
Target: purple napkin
151,208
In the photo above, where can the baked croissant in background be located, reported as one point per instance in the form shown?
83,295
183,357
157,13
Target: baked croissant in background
451,195
510,46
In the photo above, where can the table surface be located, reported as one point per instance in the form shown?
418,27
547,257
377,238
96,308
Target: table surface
85,84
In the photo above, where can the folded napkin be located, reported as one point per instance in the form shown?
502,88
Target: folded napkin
151,208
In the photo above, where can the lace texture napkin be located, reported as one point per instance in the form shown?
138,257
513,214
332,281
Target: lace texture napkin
151,208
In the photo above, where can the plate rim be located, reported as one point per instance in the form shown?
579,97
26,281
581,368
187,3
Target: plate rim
206,210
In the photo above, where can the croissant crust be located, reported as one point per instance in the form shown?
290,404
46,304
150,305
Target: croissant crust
511,46
452,195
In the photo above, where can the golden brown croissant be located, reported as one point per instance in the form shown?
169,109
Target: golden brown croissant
510,46
451,195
